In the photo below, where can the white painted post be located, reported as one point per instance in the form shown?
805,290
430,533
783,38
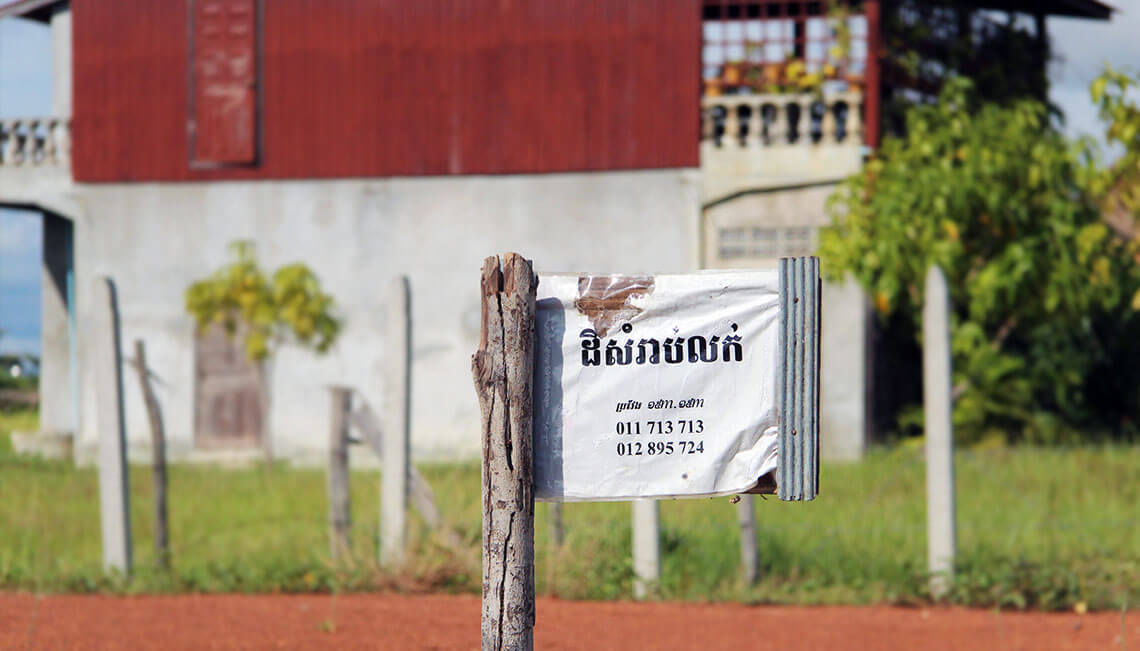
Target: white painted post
396,424
749,558
646,547
114,488
937,401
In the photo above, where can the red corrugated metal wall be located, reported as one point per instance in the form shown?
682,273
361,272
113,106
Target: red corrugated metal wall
396,87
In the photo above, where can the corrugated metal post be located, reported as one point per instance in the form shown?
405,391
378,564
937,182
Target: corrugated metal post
797,471
646,547
937,401
397,424
114,487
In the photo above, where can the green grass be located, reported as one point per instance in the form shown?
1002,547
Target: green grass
1039,528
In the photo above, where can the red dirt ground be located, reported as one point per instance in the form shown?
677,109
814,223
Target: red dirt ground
367,621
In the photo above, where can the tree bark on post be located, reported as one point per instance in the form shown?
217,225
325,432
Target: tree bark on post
158,464
503,371
340,499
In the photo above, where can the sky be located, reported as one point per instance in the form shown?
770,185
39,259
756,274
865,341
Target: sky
25,90
1081,49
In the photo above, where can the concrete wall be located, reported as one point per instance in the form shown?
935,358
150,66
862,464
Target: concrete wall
845,381
57,409
155,239
61,60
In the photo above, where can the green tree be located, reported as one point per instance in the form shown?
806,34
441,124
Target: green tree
1119,185
1044,326
266,310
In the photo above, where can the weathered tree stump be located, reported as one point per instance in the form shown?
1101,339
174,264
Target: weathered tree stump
503,370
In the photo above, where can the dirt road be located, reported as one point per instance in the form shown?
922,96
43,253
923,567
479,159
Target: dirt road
452,622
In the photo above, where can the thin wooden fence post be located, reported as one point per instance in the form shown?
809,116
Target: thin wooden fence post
557,531
503,369
646,547
340,496
422,496
397,425
158,458
114,488
749,559
938,403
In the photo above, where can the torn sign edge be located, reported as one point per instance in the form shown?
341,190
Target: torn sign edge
630,289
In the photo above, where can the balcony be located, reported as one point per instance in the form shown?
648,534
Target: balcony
35,158
770,140
34,142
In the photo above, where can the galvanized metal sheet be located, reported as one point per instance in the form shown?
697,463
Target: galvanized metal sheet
797,473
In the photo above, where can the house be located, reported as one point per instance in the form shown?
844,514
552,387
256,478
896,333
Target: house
370,138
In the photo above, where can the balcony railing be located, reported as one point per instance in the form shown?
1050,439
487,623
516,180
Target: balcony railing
34,142
775,120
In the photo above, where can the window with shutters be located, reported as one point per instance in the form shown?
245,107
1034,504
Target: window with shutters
224,71
759,242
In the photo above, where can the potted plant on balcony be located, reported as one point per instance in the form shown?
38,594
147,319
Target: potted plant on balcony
732,74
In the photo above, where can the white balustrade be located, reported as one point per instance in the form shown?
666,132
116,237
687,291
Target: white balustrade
34,142
769,120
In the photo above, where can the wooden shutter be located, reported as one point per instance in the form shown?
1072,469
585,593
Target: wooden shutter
227,409
224,82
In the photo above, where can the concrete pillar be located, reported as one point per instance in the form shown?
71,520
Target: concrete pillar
937,404
646,547
114,491
61,60
845,414
57,405
749,557
397,424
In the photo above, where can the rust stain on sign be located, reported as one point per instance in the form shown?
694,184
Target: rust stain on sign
607,300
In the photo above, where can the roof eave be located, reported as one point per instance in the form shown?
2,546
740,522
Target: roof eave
37,10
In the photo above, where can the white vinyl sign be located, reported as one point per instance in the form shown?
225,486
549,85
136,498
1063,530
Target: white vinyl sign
655,386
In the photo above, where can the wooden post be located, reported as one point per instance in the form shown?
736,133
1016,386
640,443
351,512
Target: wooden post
503,370
261,374
749,559
397,425
114,487
646,547
422,496
938,403
557,532
340,497
158,458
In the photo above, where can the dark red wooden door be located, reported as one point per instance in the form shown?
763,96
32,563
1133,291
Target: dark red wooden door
223,124
227,409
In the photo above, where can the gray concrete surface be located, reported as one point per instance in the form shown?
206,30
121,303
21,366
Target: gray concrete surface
155,239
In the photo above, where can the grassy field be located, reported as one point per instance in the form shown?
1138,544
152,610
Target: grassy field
1037,528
